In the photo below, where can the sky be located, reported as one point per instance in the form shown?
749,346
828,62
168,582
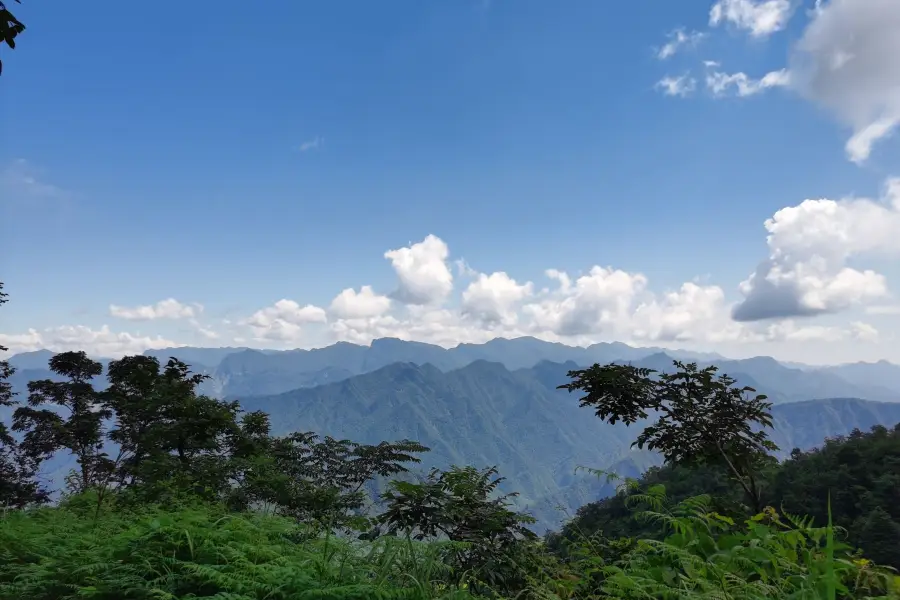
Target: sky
703,174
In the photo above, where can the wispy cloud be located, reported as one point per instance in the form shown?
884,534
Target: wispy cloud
21,181
679,38
312,144
677,86
720,83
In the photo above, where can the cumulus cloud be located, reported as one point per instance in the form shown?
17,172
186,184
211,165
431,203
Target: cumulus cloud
350,304
682,315
589,305
846,61
169,308
284,320
678,39
493,298
682,86
422,271
759,17
96,342
806,272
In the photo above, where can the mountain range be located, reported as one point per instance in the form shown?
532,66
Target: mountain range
239,372
497,404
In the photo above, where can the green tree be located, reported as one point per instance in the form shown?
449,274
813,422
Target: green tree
701,417
878,536
463,505
171,440
78,429
323,479
18,486
10,28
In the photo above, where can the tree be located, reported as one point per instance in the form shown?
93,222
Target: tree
10,28
18,487
171,439
701,417
79,429
323,479
462,504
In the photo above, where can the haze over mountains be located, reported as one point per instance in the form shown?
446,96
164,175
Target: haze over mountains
498,403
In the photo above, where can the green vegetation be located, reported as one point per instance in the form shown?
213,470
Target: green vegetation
175,494
10,28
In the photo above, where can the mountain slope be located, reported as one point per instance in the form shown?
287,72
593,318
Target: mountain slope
485,415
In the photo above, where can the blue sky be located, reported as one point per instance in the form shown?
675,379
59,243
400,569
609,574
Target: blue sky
230,158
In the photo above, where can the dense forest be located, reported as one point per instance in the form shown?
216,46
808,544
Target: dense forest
179,495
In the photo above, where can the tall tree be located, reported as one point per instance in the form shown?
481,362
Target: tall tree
169,436
10,28
701,417
75,423
18,486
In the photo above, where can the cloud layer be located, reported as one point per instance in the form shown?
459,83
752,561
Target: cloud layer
811,269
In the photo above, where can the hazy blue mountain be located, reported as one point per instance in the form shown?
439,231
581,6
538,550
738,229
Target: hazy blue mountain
484,414
785,384
806,424
882,374
209,357
238,372
253,372
31,360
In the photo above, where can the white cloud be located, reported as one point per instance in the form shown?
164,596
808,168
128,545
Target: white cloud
846,62
493,298
96,342
683,85
205,332
678,39
169,308
806,272
720,83
592,304
350,304
283,321
312,144
422,271
864,331
759,17
685,314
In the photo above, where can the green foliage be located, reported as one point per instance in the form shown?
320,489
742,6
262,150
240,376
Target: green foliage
708,555
202,552
79,429
10,28
861,472
18,486
463,506
702,418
